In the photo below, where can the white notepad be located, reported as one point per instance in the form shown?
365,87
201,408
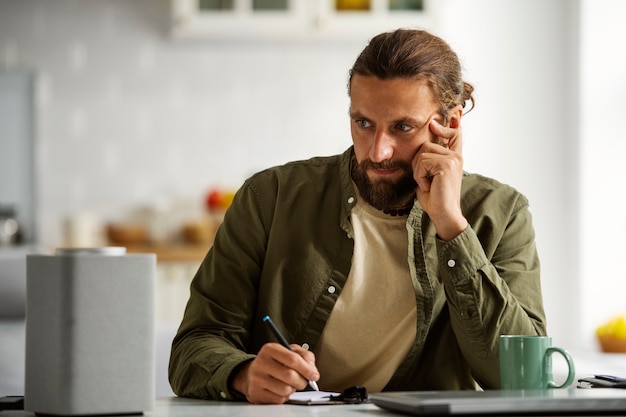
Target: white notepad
314,398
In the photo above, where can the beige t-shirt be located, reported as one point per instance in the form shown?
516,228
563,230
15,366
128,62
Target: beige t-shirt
373,324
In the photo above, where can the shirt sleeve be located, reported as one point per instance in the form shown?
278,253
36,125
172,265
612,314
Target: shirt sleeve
214,336
491,276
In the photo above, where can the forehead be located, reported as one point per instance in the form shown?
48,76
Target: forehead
369,94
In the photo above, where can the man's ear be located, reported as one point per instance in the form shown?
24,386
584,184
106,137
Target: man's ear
454,116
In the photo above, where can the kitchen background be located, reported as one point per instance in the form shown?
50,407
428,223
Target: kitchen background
135,120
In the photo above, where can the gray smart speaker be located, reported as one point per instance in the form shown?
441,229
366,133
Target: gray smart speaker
90,332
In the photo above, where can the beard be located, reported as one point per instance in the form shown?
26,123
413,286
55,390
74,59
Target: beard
382,193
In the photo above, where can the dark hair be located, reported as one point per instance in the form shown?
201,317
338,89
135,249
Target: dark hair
409,53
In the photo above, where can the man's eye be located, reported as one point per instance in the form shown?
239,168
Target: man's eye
363,123
403,127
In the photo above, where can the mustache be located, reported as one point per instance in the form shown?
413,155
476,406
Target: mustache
386,164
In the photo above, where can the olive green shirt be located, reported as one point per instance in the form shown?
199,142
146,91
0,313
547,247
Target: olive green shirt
285,250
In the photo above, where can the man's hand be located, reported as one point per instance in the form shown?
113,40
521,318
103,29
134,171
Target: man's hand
275,374
438,171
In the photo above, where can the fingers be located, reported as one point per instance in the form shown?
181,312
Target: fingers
299,360
309,357
277,372
438,171
433,162
448,137
431,159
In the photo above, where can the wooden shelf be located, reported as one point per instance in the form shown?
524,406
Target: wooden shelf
173,252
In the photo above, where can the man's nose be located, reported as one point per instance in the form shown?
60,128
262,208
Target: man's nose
382,148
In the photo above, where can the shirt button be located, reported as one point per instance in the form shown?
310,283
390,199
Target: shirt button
305,346
331,289
223,394
350,200
451,263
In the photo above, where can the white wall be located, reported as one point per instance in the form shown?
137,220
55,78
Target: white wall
521,58
128,117
551,86
603,145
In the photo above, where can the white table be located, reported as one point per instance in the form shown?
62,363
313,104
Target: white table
185,407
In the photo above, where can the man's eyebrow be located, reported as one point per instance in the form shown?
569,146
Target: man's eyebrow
357,115
402,120
410,121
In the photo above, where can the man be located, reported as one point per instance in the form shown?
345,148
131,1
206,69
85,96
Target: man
387,266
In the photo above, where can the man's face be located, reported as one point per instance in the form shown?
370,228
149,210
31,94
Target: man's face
389,121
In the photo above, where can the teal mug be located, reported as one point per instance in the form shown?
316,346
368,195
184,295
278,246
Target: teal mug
526,363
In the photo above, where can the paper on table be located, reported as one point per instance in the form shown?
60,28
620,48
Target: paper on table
313,397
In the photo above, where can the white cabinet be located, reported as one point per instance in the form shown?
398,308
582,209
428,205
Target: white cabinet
298,19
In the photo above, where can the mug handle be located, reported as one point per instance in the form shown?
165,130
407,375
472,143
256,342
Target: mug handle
570,364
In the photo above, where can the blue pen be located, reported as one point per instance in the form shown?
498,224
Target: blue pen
284,342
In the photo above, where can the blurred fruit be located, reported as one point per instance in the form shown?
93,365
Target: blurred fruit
615,327
213,199
612,335
227,199
219,200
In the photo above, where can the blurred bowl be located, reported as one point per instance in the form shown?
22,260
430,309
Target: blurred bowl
198,232
612,344
124,234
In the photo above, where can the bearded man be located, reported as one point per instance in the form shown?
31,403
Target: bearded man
387,266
